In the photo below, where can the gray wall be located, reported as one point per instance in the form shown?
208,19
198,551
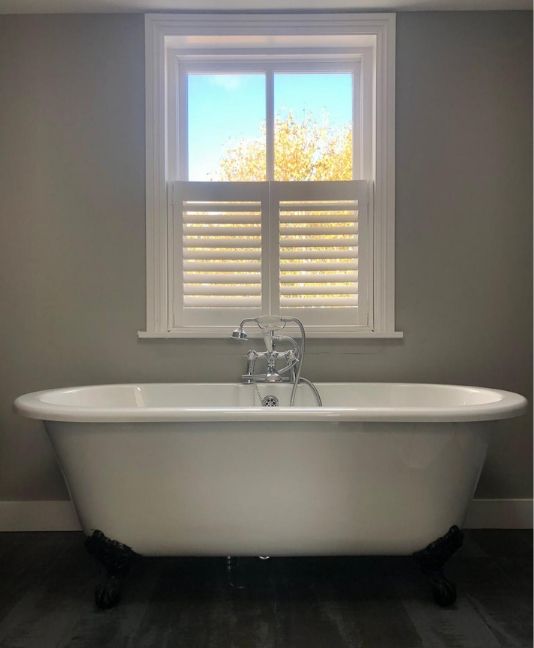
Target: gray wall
73,239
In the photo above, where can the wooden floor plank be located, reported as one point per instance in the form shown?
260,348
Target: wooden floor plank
117,627
36,558
456,627
52,600
508,616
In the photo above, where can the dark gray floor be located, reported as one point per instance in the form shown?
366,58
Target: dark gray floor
47,581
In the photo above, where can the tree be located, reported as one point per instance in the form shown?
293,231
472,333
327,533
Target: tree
304,150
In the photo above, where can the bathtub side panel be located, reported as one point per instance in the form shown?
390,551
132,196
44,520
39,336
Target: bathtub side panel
271,488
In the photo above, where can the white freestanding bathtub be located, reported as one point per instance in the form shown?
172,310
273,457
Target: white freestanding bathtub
204,469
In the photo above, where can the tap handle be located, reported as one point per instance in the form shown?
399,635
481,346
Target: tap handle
251,361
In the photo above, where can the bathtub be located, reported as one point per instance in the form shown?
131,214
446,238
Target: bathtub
204,469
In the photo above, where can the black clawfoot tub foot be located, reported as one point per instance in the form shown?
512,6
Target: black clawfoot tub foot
116,559
431,561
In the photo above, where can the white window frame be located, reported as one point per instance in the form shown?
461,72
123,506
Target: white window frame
160,166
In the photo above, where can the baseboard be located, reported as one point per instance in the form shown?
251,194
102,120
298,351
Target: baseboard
38,515
59,515
499,514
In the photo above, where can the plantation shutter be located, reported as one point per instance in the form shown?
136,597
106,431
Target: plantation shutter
321,227
218,247
241,249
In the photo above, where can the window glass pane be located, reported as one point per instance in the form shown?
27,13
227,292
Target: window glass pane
313,126
226,127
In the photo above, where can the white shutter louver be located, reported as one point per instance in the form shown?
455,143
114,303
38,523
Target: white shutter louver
319,253
222,253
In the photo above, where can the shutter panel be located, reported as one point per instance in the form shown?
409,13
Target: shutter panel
219,240
319,245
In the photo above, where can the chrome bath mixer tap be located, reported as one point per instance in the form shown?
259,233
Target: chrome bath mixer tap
280,365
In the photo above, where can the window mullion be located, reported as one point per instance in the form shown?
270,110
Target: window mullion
269,123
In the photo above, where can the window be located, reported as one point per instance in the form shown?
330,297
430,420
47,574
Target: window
269,173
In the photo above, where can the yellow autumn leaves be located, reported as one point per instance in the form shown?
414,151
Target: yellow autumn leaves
303,150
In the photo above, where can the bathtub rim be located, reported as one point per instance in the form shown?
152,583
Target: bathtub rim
507,405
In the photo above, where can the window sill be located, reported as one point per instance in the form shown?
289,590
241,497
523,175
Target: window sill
224,333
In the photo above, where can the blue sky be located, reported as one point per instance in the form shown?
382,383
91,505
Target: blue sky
226,108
